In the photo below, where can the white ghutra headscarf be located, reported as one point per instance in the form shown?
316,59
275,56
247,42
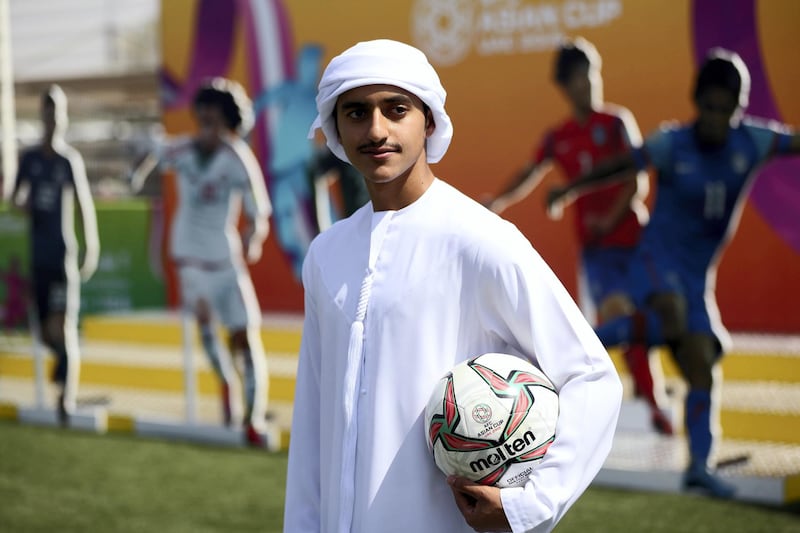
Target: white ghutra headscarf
383,62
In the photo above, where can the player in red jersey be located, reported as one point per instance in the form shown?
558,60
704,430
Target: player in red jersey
609,219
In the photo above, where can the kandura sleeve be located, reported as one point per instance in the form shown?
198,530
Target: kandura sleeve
529,308
302,505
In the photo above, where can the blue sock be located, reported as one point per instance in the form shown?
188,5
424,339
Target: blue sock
698,425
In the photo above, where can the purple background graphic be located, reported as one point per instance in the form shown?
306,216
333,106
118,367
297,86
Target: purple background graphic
211,53
732,24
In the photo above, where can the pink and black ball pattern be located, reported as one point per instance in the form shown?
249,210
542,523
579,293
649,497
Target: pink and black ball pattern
514,407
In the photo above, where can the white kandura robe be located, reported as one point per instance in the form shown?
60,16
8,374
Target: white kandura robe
448,280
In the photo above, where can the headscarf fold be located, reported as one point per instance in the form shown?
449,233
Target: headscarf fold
383,62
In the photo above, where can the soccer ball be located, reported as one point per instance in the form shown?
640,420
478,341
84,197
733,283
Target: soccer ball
491,419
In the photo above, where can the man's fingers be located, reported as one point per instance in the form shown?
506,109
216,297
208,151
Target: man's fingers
479,504
465,486
464,502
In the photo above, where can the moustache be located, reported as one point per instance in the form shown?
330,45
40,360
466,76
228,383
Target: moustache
379,146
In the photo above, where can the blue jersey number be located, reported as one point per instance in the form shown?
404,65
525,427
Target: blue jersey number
714,208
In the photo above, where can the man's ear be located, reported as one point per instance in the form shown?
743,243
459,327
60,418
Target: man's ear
430,124
336,124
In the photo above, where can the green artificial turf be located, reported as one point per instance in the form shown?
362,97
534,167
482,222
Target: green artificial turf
62,480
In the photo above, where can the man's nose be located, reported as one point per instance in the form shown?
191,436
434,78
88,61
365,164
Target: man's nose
378,127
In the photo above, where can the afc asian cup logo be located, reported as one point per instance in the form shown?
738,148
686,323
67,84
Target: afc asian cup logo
481,413
443,29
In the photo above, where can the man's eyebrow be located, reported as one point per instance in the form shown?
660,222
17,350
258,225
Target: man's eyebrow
399,99
352,104
394,99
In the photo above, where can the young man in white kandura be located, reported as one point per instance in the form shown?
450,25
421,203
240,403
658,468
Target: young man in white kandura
416,281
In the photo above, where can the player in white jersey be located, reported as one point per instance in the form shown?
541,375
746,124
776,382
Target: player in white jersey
217,176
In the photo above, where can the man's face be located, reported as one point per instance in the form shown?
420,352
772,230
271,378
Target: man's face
716,108
52,123
210,126
582,87
383,130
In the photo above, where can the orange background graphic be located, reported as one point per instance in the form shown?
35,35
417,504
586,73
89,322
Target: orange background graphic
502,100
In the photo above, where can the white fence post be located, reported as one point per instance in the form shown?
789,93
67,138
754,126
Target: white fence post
8,136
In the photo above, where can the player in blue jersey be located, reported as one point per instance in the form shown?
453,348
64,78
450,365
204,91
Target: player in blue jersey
704,170
51,177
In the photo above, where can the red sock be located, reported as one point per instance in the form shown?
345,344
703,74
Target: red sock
636,357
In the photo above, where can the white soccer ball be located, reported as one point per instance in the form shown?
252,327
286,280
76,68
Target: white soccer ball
491,419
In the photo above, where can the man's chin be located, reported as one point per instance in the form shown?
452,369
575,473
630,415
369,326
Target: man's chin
381,180
381,175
